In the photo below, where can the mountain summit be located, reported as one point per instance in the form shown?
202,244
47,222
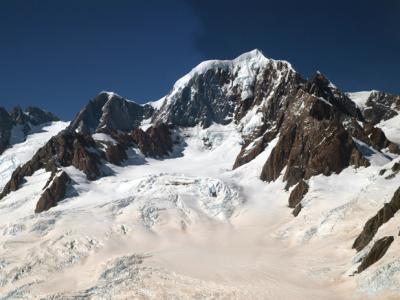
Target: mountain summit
244,169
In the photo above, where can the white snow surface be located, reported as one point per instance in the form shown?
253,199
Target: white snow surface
190,227
246,67
391,128
157,104
360,98
22,151
102,137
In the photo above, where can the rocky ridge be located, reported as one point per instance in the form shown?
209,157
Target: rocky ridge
22,121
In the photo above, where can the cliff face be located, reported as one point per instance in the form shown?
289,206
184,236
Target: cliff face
109,112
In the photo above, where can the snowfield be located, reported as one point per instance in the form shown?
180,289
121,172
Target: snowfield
22,151
190,227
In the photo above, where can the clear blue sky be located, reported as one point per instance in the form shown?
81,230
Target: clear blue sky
58,54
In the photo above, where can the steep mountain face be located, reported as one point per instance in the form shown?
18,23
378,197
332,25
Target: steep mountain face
234,143
110,112
376,106
16,125
223,91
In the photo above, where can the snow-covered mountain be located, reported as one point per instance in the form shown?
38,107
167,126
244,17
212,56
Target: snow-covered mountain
246,181
15,125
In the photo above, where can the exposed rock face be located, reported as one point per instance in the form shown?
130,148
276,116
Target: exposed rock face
378,139
381,106
109,112
209,103
272,91
70,148
25,119
155,141
321,87
116,154
21,118
297,210
54,192
222,91
37,116
66,149
376,253
303,150
88,119
318,128
298,193
371,227
250,151
32,115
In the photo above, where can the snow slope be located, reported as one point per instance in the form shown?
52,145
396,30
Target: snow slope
360,98
391,128
191,227
21,151
186,227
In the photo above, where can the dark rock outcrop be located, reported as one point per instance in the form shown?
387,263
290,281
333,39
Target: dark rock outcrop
298,193
25,119
379,140
251,149
54,192
312,141
321,87
247,155
371,227
376,253
396,167
37,116
109,112
381,106
65,149
208,104
155,142
21,118
297,210
116,153
88,119
273,111
32,116
71,148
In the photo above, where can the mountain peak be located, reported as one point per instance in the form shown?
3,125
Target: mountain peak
253,54
109,111
247,59
108,94
210,91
